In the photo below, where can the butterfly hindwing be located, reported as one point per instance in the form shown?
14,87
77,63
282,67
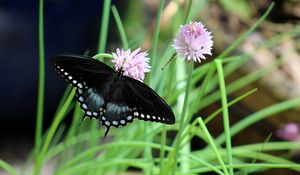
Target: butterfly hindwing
147,104
133,99
90,101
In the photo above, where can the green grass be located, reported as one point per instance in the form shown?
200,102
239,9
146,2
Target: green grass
225,112
148,146
41,84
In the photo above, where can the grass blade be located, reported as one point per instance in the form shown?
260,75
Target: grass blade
104,26
120,27
6,167
41,85
212,144
226,121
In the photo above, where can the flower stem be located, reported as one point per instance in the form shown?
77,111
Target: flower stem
102,55
183,115
120,27
164,131
187,16
155,40
104,26
41,83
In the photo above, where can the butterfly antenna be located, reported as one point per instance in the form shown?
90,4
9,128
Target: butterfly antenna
171,59
106,131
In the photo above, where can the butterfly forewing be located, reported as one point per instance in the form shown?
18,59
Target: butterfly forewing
89,76
80,70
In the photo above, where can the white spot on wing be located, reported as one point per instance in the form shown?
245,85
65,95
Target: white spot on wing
122,122
115,123
80,98
90,91
88,113
107,123
129,117
70,77
84,106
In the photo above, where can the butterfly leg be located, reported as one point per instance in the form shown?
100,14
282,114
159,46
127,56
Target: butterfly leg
106,131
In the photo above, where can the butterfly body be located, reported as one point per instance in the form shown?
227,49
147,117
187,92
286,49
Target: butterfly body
108,95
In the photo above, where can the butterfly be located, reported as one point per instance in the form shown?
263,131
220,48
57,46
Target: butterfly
110,96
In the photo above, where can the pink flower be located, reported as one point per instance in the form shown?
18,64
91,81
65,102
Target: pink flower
289,132
193,41
133,64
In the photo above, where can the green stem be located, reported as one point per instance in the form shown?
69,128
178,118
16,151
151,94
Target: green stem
102,55
164,131
213,145
8,168
120,27
226,121
187,16
203,88
63,99
41,86
104,26
210,117
162,151
155,38
214,114
51,132
259,115
183,115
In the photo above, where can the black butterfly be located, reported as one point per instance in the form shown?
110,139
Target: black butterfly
110,96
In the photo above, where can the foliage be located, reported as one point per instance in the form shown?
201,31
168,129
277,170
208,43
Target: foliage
82,150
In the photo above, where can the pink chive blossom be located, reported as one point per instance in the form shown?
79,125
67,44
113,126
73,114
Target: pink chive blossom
133,64
193,41
289,132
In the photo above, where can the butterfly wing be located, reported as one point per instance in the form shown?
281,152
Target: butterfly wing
115,99
79,69
129,99
89,76
147,104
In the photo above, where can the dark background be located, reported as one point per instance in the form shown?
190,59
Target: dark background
70,26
